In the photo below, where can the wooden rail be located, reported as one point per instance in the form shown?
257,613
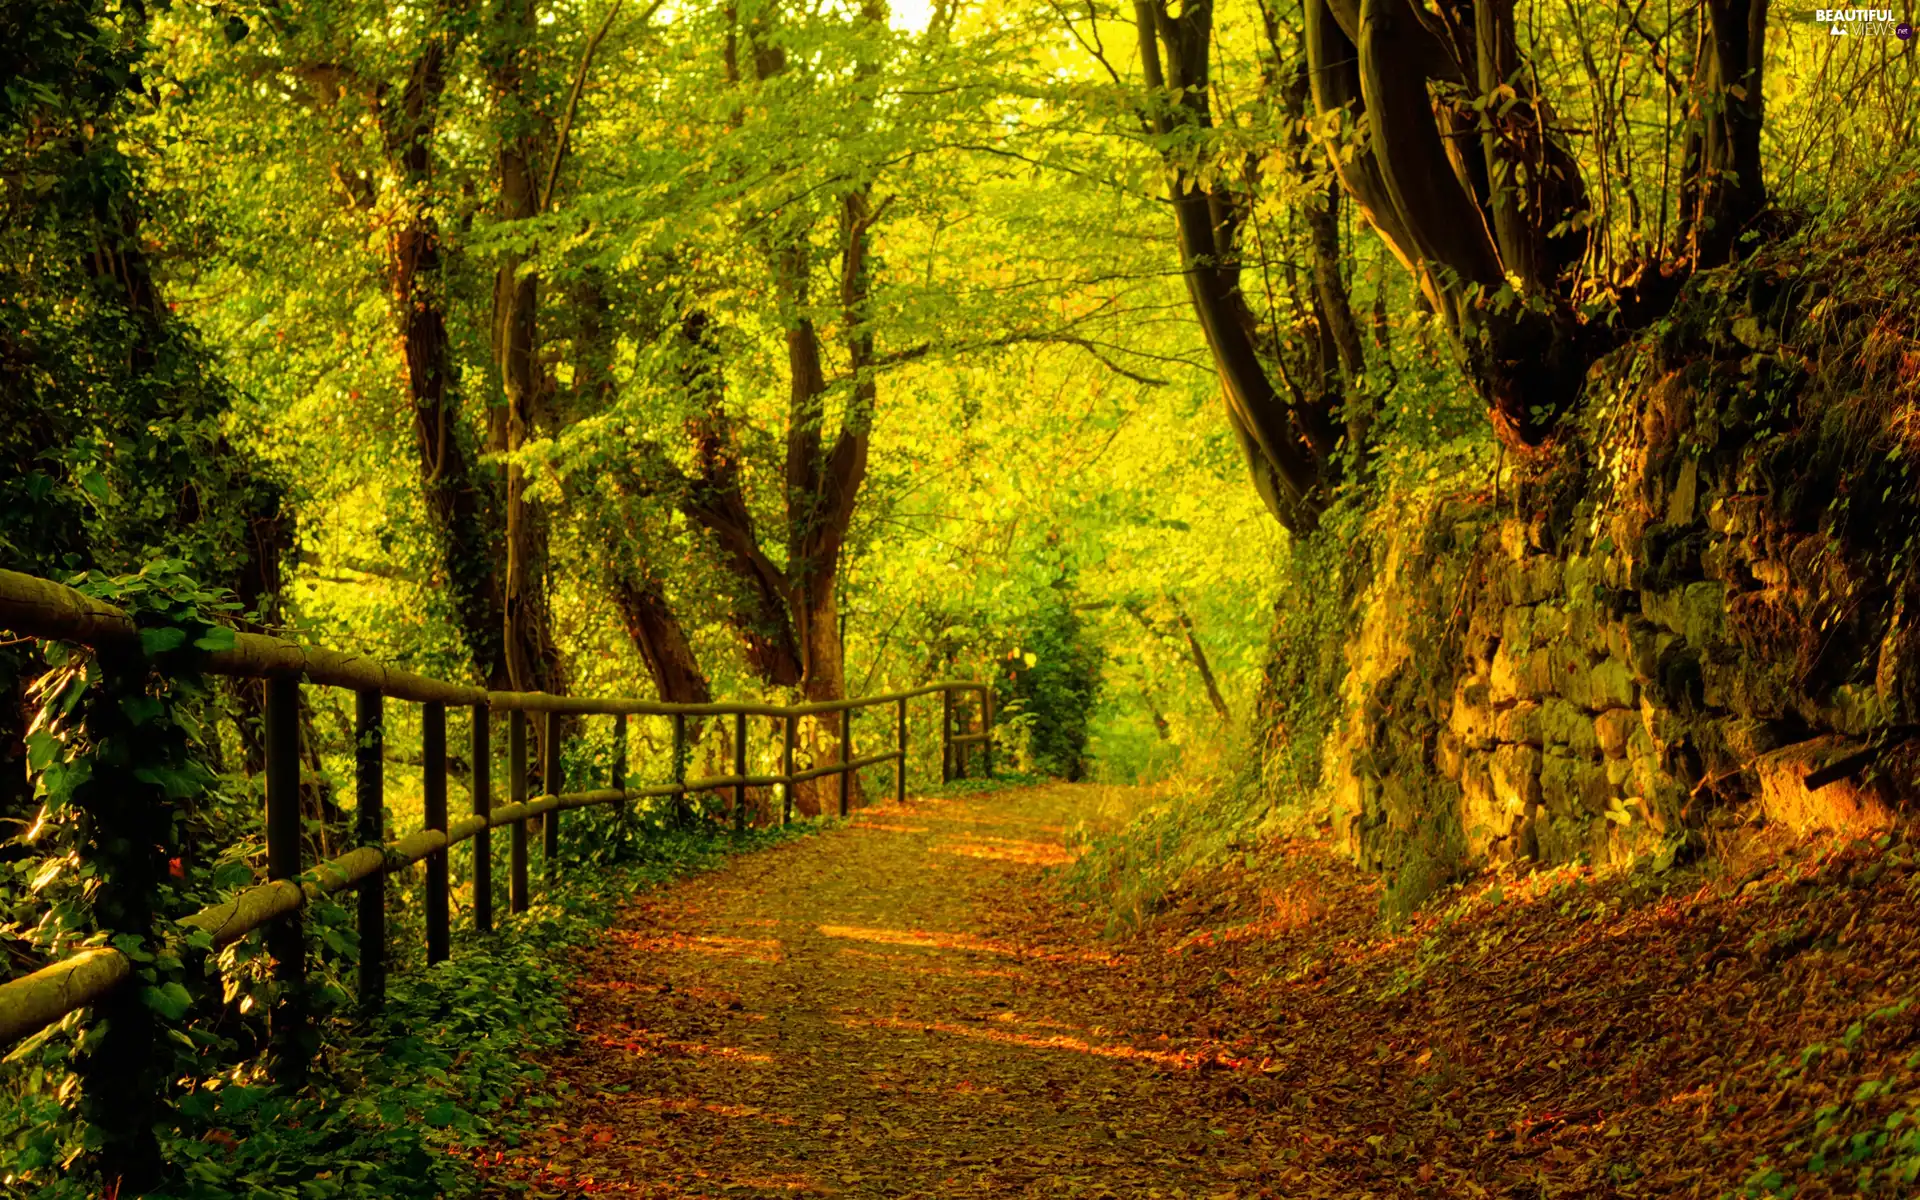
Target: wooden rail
43,609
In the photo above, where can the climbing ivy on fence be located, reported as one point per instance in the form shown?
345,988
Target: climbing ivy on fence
117,750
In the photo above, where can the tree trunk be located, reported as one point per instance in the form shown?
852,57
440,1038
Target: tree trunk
650,622
1731,188
1198,655
1289,437
662,642
714,499
532,659
1494,239
456,502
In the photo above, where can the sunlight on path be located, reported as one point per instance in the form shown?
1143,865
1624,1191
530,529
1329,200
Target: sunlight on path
898,1008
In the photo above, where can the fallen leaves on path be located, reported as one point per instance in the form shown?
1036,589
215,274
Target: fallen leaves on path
875,1012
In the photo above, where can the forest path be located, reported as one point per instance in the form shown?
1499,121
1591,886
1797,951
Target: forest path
898,1008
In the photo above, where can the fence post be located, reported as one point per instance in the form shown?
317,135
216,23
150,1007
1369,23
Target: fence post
286,938
517,890
986,727
482,749
433,749
846,757
370,828
786,769
900,738
740,772
946,735
619,780
129,830
681,815
961,750
551,778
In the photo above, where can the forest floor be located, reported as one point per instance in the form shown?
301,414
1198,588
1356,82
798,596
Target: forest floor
909,1007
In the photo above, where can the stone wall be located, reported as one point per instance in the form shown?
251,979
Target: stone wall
1654,639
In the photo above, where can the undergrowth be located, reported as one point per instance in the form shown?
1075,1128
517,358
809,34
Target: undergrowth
1133,869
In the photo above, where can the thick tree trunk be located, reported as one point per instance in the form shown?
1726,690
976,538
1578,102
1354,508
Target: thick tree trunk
650,622
1492,237
456,502
532,659
1731,189
714,499
1289,443
1333,68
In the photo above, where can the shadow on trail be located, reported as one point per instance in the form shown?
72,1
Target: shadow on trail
893,1009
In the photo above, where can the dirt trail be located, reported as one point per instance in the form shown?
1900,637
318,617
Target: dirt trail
892,1009
906,1007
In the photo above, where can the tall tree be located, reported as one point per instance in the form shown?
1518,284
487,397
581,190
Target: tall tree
457,492
532,659
399,197
1289,423
1497,238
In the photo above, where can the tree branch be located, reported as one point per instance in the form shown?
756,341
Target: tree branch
573,96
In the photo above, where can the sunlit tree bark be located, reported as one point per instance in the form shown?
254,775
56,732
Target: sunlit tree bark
457,498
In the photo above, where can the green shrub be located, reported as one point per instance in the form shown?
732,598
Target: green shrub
1045,698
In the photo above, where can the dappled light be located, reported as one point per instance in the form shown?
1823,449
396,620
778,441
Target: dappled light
760,950
968,943
642,1043
1282,1043
915,965
1038,854
1034,1041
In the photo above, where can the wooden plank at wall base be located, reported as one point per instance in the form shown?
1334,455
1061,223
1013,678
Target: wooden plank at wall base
286,939
370,828
433,749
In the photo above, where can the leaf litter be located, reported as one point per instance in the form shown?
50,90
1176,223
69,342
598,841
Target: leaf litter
870,1013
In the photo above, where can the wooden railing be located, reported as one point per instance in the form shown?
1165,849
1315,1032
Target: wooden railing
43,609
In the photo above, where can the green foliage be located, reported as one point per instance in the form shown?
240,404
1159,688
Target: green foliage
1048,689
1299,701
116,747
113,413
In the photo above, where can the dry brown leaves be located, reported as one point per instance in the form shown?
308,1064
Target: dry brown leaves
906,1008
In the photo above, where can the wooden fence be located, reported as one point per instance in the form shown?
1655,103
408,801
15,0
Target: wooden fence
43,609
